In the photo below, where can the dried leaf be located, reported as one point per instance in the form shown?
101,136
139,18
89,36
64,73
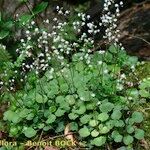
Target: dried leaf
68,134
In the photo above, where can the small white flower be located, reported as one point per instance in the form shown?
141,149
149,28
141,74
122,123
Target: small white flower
105,71
22,40
100,62
121,3
47,21
1,83
27,32
32,22
93,95
36,30
101,52
88,17
82,98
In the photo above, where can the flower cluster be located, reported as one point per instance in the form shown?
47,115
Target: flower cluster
109,20
39,47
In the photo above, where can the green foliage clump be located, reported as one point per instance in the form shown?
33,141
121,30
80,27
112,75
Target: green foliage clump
87,96
66,81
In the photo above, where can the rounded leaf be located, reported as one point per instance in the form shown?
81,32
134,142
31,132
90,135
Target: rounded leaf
116,115
84,132
94,133
99,141
130,129
72,116
103,117
139,134
127,140
137,117
51,119
93,123
85,119
30,132
106,107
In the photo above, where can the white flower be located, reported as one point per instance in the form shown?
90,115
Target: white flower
100,62
57,7
47,21
88,17
93,95
1,83
32,22
36,30
105,71
82,98
27,32
101,52
121,3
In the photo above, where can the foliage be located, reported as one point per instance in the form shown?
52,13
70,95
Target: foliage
60,78
72,92
5,27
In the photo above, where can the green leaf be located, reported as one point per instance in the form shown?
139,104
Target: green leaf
64,87
73,126
41,125
106,107
84,132
11,116
3,34
137,117
30,132
118,138
81,110
80,66
52,109
8,25
85,119
94,133
99,141
60,99
51,119
128,140
60,127
113,48
70,99
90,106
40,98
103,117
122,148
130,129
40,7
59,112
8,115
72,116
24,113
104,130
65,106
46,128
24,19
132,60
30,116
76,56
144,93
93,123
139,134
116,115
119,123
85,95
